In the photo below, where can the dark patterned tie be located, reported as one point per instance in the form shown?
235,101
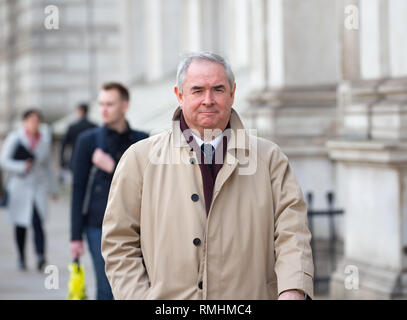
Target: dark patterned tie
207,150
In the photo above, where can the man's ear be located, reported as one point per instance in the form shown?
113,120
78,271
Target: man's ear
233,91
179,95
126,106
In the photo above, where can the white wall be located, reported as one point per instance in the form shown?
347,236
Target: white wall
398,37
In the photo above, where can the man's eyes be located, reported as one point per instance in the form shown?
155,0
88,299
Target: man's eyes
196,91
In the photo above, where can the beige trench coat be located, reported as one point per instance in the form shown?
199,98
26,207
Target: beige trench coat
254,244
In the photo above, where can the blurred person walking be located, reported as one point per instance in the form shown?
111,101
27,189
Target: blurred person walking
73,132
26,157
96,155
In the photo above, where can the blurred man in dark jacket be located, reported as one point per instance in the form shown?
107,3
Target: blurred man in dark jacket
74,130
96,155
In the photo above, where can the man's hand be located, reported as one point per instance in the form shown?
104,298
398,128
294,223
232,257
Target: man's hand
292,295
77,248
103,161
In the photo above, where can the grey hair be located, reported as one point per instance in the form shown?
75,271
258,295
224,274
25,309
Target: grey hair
207,56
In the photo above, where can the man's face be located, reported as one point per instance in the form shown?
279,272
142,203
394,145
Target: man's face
112,107
207,98
79,113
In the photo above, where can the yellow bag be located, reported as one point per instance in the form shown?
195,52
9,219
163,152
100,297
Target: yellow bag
76,285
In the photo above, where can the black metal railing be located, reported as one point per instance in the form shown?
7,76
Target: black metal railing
331,252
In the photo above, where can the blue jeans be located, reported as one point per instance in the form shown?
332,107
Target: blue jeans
94,236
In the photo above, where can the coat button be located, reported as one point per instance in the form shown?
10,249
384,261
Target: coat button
200,285
197,241
194,197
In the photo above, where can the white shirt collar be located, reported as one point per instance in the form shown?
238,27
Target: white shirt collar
215,142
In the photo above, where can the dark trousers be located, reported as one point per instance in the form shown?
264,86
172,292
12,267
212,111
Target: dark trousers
39,237
94,236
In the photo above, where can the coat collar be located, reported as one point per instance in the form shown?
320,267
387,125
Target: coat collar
40,150
23,138
237,135
110,132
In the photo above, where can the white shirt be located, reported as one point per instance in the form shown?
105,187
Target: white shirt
215,142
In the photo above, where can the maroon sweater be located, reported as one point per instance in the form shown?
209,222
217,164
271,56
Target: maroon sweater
208,175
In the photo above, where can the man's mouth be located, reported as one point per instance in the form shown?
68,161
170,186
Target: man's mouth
208,112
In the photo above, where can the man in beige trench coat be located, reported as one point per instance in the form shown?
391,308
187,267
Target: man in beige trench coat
206,210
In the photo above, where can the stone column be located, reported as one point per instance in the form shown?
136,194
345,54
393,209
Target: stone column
374,39
238,31
397,38
258,44
131,33
192,28
153,39
171,24
294,73
349,26
372,182
6,66
212,31
371,157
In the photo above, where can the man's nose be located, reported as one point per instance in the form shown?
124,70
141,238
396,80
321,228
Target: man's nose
208,98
